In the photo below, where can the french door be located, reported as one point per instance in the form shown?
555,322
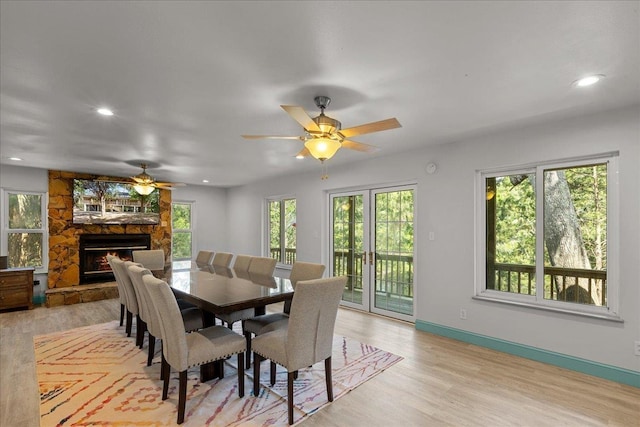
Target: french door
372,243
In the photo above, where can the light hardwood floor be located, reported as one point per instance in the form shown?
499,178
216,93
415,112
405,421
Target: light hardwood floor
440,382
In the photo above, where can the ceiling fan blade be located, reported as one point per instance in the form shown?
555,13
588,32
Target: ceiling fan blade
299,115
304,153
359,146
168,185
299,138
370,128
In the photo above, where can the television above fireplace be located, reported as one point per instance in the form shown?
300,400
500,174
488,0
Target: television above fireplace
100,202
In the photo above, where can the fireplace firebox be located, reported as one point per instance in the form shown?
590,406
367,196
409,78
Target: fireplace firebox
94,249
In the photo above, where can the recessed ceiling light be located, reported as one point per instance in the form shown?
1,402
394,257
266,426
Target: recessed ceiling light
15,159
205,180
299,157
104,111
589,80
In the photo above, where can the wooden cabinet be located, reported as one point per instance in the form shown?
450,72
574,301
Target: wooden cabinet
16,288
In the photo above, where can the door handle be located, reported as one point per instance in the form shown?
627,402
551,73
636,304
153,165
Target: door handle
364,258
371,258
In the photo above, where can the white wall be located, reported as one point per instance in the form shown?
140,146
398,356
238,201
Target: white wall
445,205
209,215
25,179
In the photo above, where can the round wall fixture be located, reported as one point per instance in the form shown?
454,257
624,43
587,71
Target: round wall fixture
431,168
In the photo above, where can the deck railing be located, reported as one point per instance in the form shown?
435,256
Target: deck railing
289,255
560,283
393,273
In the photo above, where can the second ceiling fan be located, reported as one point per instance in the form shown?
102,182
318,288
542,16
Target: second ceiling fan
323,135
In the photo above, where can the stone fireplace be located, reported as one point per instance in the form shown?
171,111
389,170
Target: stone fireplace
64,274
94,249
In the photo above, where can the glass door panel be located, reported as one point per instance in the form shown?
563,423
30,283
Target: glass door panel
394,246
348,250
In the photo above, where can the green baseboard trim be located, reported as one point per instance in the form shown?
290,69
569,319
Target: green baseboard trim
612,373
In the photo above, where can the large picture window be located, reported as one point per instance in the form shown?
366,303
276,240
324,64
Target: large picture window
281,231
547,238
24,229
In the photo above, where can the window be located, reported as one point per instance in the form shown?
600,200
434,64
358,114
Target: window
182,226
281,232
24,229
546,236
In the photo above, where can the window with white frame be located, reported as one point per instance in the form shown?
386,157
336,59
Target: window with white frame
24,229
281,229
546,237
181,230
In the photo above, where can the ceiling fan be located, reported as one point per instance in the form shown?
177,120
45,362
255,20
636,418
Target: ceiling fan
144,183
323,135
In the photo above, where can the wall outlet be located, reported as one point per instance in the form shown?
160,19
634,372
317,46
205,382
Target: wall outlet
463,314
636,348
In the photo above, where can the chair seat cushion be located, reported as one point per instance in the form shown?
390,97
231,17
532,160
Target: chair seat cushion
202,349
266,323
235,316
272,345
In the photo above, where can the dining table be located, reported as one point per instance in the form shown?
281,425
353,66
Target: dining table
222,290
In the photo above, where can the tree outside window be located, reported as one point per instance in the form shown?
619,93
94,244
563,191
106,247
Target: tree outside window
25,232
181,224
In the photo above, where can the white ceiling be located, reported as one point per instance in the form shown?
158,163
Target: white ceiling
186,79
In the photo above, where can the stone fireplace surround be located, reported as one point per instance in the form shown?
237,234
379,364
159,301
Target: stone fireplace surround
63,278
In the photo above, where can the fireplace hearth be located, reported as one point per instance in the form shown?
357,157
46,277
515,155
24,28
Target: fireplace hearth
94,249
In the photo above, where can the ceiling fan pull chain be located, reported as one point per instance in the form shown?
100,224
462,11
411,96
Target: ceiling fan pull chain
325,171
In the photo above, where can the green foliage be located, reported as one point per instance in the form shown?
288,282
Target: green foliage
181,240
282,229
588,186
515,221
181,245
24,247
181,216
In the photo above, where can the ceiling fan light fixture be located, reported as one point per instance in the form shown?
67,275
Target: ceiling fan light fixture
143,189
322,148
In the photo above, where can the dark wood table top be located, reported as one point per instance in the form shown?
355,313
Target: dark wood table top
224,290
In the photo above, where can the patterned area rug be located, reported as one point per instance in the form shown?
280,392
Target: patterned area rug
95,375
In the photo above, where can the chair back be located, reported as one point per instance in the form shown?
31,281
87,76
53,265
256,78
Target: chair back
147,313
204,257
121,271
174,337
312,321
262,265
151,259
122,292
222,259
242,262
305,271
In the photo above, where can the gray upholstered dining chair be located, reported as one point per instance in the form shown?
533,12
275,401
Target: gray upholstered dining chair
259,266
131,304
308,337
222,259
262,265
192,317
122,292
183,351
152,259
242,262
267,322
204,257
